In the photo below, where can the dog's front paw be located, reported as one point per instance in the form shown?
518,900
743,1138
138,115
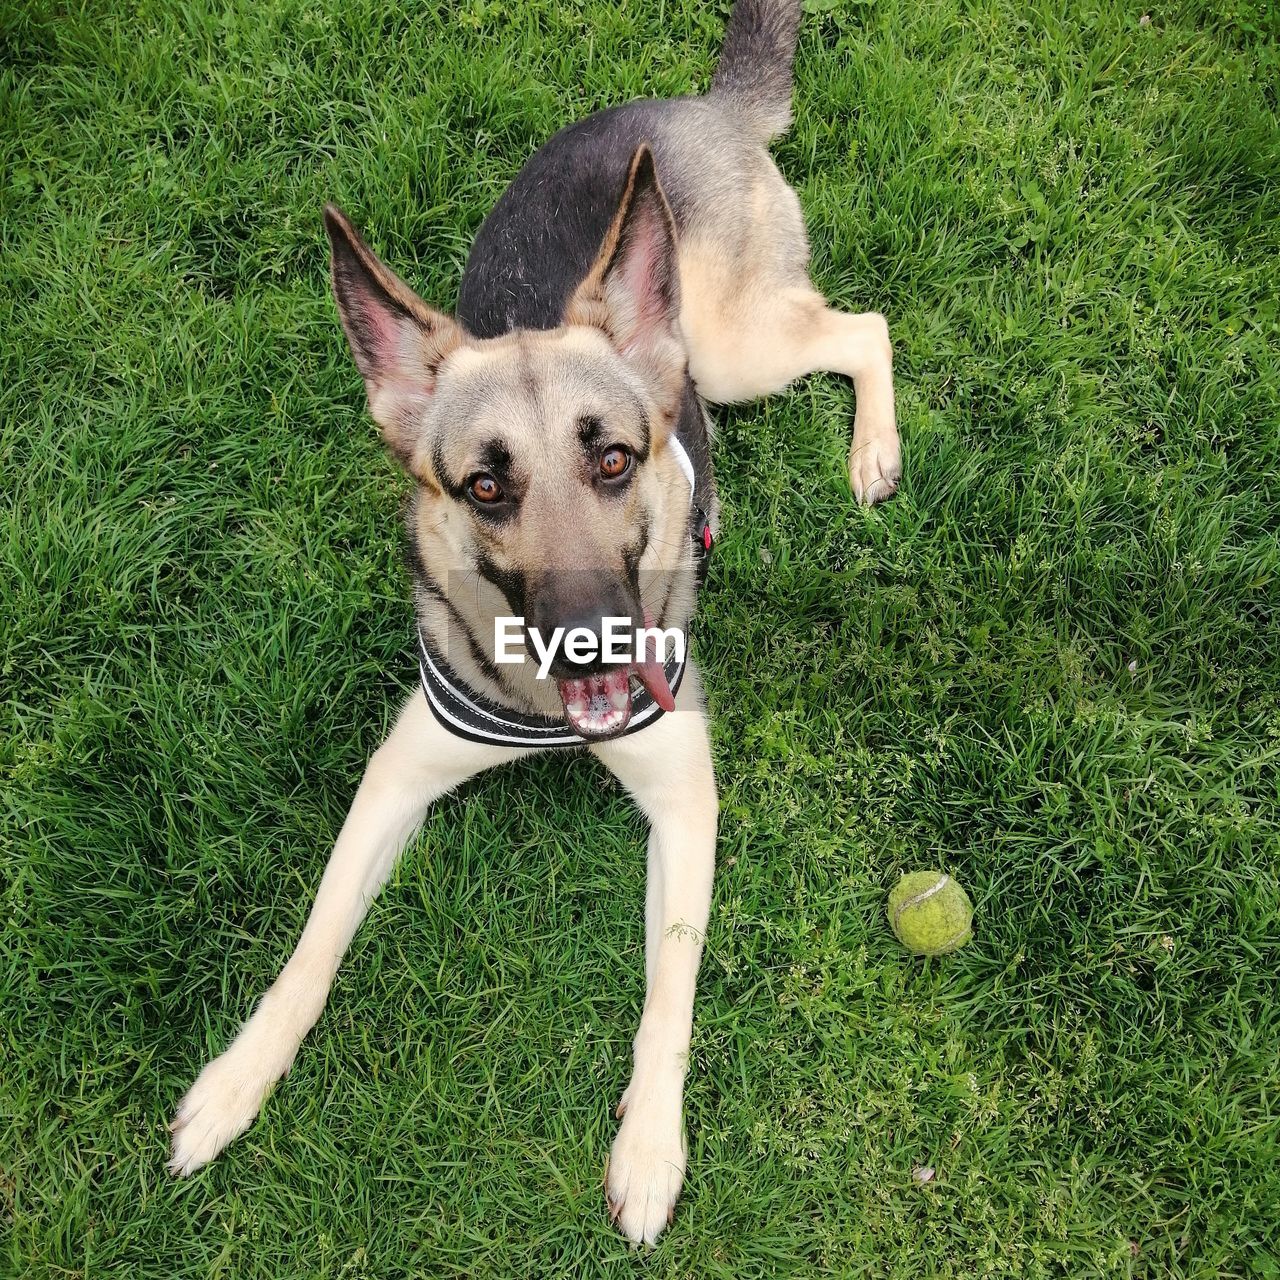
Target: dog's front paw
220,1106
875,467
646,1170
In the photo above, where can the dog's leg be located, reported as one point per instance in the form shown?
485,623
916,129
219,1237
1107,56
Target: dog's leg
772,340
419,762
858,346
667,768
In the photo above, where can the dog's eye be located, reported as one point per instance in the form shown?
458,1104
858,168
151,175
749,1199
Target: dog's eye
485,489
615,462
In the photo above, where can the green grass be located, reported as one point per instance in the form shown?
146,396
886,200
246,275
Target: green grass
1051,663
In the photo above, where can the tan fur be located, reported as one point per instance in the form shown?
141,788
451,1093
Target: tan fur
753,323
527,387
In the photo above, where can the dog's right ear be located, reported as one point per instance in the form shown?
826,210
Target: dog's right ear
632,291
397,340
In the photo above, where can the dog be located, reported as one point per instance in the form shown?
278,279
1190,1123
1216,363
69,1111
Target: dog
646,261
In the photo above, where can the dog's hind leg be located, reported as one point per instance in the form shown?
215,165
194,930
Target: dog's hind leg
759,344
419,762
667,769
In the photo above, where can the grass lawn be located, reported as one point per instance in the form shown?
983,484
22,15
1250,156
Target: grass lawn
1051,663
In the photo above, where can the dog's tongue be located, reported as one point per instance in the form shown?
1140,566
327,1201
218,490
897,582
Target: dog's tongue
652,674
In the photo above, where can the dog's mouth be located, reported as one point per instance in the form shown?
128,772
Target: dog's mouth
598,707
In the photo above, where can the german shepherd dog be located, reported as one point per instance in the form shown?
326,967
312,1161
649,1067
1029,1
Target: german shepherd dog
646,260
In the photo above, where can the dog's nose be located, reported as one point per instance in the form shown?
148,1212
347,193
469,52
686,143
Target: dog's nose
582,604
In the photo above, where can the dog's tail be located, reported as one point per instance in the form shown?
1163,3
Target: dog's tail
754,75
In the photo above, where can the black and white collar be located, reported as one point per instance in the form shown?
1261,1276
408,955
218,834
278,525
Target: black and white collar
469,714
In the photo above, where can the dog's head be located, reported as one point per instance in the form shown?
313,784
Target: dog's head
546,487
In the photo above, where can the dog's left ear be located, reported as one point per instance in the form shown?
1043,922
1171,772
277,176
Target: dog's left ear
632,291
397,340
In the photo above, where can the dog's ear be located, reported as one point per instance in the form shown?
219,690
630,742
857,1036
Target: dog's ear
632,291
397,340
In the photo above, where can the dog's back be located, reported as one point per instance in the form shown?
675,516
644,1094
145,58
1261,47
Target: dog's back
727,198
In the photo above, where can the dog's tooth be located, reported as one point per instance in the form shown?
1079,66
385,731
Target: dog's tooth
620,698
576,709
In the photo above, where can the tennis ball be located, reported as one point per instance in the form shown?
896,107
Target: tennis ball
930,913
